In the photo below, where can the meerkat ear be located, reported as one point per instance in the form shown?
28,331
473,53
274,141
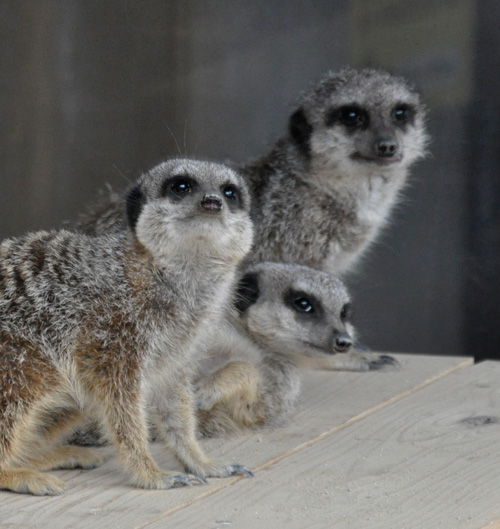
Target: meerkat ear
300,130
247,292
135,201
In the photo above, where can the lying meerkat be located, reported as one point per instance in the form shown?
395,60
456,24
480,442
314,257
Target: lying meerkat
288,314
285,316
100,326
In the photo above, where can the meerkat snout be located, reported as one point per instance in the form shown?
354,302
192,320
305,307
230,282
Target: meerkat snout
342,342
211,203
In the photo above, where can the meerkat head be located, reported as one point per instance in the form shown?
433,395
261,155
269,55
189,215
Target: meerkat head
354,122
294,309
190,207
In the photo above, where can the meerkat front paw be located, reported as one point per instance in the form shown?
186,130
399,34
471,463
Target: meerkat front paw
368,361
359,359
219,469
386,362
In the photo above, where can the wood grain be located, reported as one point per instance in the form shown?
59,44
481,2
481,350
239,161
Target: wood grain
431,460
331,402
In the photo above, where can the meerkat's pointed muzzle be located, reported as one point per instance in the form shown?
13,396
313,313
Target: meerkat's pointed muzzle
342,343
211,203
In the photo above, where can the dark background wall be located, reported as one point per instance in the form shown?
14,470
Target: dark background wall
96,92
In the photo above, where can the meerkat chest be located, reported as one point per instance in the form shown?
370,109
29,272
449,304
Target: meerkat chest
369,203
184,315
374,199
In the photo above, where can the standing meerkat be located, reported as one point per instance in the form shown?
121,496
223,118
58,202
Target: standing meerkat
289,314
100,326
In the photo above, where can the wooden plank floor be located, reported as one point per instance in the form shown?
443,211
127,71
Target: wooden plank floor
414,448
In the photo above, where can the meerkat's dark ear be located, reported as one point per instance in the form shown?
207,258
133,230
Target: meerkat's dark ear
135,201
300,130
247,292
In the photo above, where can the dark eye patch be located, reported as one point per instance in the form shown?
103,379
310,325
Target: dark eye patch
178,186
346,312
232,195
351,116
303,303
402,114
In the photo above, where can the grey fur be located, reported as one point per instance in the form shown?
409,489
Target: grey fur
117,320
322,194
275,335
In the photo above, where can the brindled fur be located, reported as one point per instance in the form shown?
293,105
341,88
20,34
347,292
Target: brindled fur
100,326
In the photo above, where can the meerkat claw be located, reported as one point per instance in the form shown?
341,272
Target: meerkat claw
182,481
240,469
384,362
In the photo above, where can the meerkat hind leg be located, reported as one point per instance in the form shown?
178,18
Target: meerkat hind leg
21,449
29,387
237,380
63,456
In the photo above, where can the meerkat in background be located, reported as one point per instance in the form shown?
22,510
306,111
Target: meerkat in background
287,314
100,326
324,191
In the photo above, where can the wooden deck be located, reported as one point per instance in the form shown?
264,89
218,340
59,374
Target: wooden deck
417,448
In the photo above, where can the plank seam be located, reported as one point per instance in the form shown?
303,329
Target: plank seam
231,481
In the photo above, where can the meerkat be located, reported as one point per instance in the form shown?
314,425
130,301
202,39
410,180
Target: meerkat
322,194
110,326
289,314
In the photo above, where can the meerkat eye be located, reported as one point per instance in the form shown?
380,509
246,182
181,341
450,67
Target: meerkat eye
178,187
402,114
303,304
345,313
353,117
232,195
230,192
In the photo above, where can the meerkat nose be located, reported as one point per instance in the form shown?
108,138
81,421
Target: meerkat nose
342,343
211,203
386,148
